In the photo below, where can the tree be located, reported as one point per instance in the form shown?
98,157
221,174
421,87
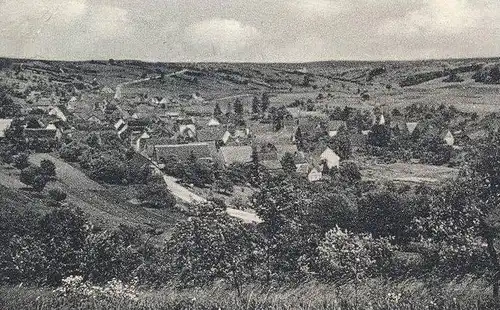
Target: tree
255,167
341,145
47,168
34,177
217,110
256,105
39,182
299,139
21,161
265,102
210,245
288,163
238,107
349,171
380,135
8,108
156,195
354,256
57,194
72,151
223,182
288,241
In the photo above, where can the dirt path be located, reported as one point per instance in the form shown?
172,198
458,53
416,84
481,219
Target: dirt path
184,194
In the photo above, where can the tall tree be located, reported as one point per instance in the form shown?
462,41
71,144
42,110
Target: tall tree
265,102
217,110
288,163
256,105
238,107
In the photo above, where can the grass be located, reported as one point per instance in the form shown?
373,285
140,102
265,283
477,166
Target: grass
374,294
408,172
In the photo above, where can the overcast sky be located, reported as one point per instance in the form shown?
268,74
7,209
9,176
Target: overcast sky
249,30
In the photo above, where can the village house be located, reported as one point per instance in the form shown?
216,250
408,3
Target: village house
158,100
4,125
236,154
448,137
200,150
314,175
213,122
334,127
57,112
210,134
331,158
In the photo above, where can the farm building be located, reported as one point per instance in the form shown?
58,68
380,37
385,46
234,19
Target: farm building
159,100
200,150
314,175
236,154
4,125
333,127
271,165
448,137
213,122
57,112
330,158
411,127
210,134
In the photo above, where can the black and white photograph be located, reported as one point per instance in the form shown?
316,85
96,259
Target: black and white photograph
249,154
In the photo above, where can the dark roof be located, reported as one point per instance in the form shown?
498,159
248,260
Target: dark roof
335,125
184,151
271,164
31,133
236,154
210,134
282,149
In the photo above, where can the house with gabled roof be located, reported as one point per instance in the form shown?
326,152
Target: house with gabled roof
4,125
314,175
57,112
334,126
411,126
107,90
271,165
448,137
200,150
213,122
159,100
210,134
330,158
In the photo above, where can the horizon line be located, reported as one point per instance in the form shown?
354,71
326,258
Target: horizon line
253,62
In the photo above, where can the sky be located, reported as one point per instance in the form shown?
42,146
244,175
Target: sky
249,30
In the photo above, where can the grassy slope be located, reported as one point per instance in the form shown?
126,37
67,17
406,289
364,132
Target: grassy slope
103,204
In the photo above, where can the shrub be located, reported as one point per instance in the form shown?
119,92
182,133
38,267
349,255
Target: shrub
21,161
57,194
156,195
48,168
354,256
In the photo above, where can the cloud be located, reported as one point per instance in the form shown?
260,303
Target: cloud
437,17
218,37
243,30
317,8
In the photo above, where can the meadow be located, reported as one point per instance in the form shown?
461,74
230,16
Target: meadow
376,294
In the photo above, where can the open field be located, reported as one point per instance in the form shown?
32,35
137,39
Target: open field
408,172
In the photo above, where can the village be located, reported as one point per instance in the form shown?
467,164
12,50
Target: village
245,174
159,128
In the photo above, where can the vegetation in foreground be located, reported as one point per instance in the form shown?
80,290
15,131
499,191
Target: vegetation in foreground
374,295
